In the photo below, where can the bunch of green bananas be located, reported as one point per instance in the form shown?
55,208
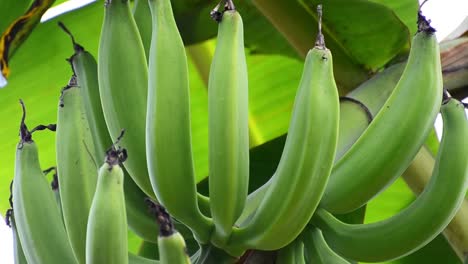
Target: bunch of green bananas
338,155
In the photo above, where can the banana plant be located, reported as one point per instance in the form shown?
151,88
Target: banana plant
273,70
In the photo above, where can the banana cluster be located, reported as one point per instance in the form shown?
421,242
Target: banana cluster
125,159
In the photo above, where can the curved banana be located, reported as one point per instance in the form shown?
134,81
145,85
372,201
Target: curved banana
305,164
142,16
168,136
76,168
37,216
228,125
123,81
171,244
106,236
405,232
316,249
395,135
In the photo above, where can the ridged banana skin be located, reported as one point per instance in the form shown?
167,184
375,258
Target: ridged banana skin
316,249
168,135
123,82
18,253
228,125
172,249
142,16
76,168
305,164
38,218
106,236
139,220
395,135
425,218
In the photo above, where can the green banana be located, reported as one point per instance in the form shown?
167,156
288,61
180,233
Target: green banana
172,249
37,216
123,81
391,142
18,254
142,16
316,249
76,168
228,125
286,255
171,244
356,108
168,136
405,232
305,164
85,68
293,253
106,235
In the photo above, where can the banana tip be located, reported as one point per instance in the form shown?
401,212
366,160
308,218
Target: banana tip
424,24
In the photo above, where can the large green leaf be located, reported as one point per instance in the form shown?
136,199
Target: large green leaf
365,41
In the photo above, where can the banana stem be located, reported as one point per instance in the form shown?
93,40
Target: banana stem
416,177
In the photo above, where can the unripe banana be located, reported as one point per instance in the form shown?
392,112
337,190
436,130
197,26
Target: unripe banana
168,136
123,81
405,232
106,236
76,168
142,16
316,249
38,218
305,164
286,255
391,142
293,253
84,66
171,244
228,125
